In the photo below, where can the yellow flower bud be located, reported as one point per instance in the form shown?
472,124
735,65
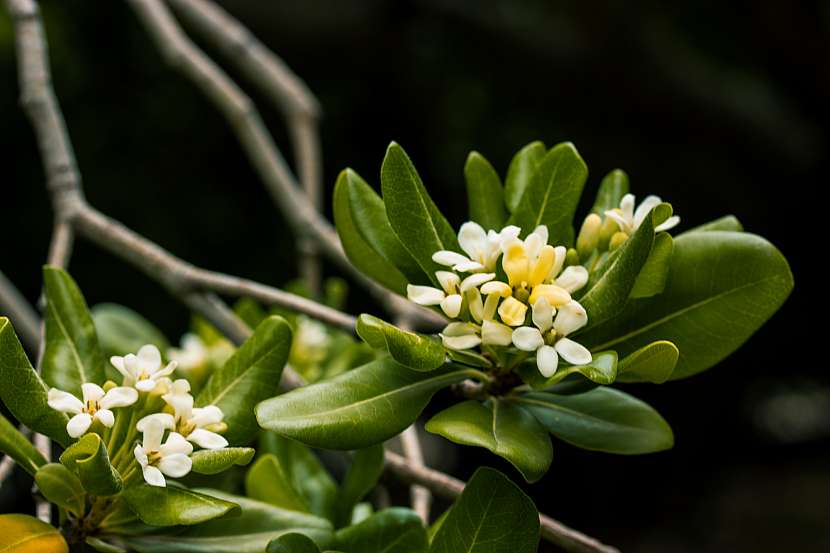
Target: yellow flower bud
542,267
571,258
512,312
609,228
555,295
588,238
109,385
617,240
515,263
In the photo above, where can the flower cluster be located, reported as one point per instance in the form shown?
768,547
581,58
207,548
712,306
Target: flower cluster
145,379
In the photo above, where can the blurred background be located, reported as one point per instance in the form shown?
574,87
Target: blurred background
717,108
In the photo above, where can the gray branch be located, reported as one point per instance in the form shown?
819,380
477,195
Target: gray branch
25,319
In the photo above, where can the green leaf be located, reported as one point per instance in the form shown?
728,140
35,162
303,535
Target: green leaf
416,220
249,376
611,191
357,409
24,393
725,223
214,461
602,370
652,278
122,330
257,525
652,363
62,488
553,194
413,350
89,460
292,543
268,481
484,193
722,287
72,355
305,472
609,294
18,447
363,474
102,546
394,530
603,419
25,534
359,251
175,505
492,515
502,427
521,170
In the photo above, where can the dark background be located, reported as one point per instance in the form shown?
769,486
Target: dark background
717,107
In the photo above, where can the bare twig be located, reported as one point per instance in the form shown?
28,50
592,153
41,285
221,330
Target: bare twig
6,468
421,496
25,319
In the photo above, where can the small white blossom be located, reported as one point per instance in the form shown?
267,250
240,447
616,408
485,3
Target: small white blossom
630,219
192,354
451,294
482,248
144,370
96,405
190,422
172,458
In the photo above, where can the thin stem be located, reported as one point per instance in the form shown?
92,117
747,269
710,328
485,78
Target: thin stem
25,319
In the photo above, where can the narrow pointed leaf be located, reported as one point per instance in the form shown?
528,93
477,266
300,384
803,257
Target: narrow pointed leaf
269,481
61,487
611,191
214,461
25,534
174,505
603,419
362,407
249,376
416,351
24,393
520,172
18,447
652,278
502,427
88,459
394,530
652,363
360,479
492,515
485,195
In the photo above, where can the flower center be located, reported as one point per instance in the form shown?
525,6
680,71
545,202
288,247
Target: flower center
91,406
521,292
153,457
184,427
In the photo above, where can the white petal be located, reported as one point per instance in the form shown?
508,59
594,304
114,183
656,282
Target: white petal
451,305
460,329
207,439
175,465
118,363
145,385
175,445
472,239
497,287
624,224
460,342
496,334
140,456
78,425
645,208
509,233
171,366
165,420
119,397
131,366
448,258
153,476
573,278
475,305
106,417
527,338
547,360
560,252
424,295
573,353
533,245
63,401
149,357
203,416
571,317
542,232
474,281
448,280
627,207
542,314
91,392
182,404
468,267
153,429
669,223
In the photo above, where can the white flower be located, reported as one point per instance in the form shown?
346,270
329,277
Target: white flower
482,249
157,459
630,220
460,336
192,354
450,296
548,337
143,371
96,405
190,422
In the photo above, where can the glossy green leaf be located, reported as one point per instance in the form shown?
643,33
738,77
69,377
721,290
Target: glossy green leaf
25,534
726,223
268,481
122,330
413,350
362,407
88,459
603,419
250,532
214,461
521,170
175,505
24,393
249,376
484,193
492,515
416,220
102,546
72,355
722,287
652,278
360,479
552,196
61,487
393,530
359,251
18,447
469,358
502,427
601,370
292,543
304,471
652,363
611,191
608,295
